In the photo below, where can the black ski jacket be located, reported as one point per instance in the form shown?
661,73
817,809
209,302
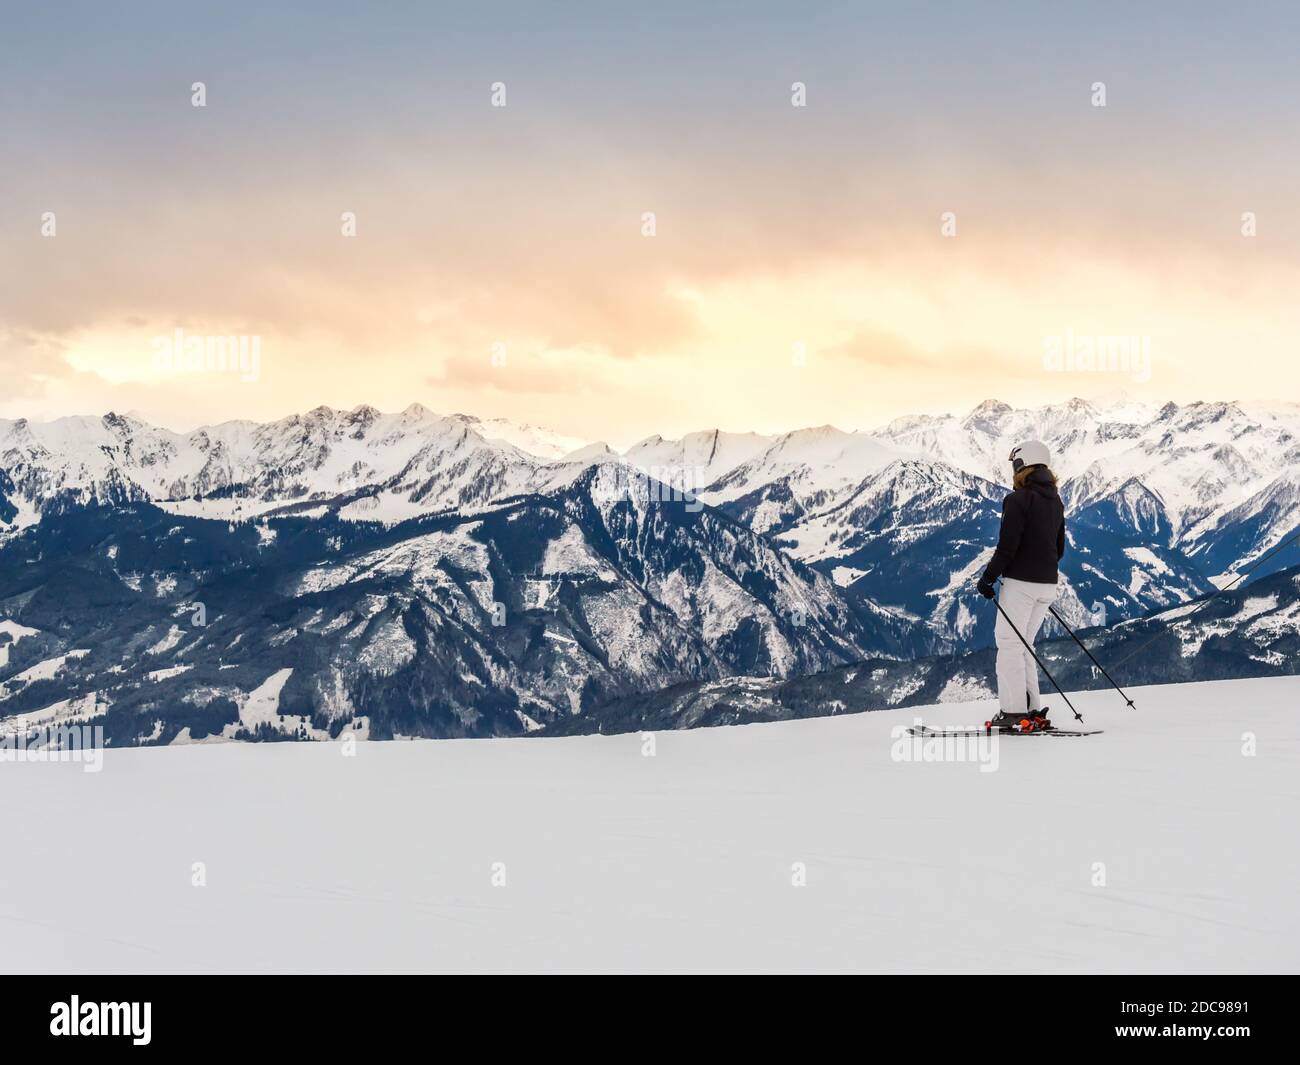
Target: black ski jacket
1032,539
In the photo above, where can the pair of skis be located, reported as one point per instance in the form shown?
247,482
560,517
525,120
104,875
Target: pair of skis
926,732
994,730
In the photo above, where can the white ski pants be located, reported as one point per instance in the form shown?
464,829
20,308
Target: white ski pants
1025,603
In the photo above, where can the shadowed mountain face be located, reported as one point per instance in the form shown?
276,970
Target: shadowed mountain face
915,536
1252,632
459,625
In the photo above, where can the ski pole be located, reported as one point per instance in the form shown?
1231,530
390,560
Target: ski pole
1077,716
1090,655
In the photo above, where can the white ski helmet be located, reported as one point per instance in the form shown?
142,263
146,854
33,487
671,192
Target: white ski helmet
1030,453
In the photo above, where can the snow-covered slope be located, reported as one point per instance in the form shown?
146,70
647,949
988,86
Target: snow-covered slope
1161,846
533,440
798,473
696,460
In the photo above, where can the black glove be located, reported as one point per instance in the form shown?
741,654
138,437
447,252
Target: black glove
985,587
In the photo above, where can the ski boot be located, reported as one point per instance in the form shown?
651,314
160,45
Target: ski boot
1037,721
1029,721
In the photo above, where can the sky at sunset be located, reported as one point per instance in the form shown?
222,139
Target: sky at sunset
798,272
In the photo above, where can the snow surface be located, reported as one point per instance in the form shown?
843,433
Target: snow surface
682,861
46,670
15,633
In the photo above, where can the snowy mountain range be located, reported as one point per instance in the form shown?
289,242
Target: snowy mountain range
425,574
1162,501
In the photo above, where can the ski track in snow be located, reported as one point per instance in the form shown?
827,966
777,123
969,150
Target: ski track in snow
683,861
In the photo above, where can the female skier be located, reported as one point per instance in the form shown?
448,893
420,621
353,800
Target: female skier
1030,544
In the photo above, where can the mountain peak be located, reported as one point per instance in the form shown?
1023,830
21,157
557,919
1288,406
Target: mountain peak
1113,397
597,452
986,415
817,432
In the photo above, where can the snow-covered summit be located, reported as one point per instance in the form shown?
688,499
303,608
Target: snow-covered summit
428,459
